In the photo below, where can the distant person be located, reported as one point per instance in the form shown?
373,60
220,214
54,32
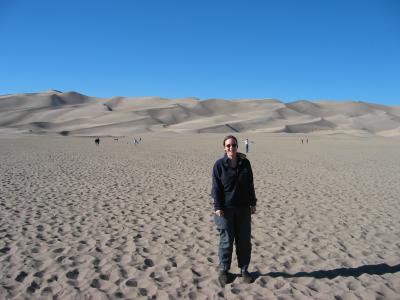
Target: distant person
307,140
97,141
302,141
246,145
234,200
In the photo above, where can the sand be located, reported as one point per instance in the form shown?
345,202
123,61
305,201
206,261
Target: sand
135,222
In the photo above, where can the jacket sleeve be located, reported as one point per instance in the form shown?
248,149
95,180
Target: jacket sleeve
253,199
217,189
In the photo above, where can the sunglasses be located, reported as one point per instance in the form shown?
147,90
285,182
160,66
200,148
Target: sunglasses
229,145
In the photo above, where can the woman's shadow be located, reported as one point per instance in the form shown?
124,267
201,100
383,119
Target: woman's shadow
379,269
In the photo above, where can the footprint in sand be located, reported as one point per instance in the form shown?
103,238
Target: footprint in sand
47,291
119,295
52,279
58,250
172,260
4,250
73,274
131,283
95,283
148,262
104,277
143,292
235,291
33,287
21,276
38,274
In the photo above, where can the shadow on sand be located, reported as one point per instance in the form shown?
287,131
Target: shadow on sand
379,269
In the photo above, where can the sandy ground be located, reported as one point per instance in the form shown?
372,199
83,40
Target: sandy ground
123,221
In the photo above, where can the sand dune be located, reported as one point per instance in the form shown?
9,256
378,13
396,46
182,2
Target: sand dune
75,114
310,127
47,99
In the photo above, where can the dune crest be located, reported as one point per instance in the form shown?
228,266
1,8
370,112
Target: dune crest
79,115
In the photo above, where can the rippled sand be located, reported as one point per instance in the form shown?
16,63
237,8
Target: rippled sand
126,221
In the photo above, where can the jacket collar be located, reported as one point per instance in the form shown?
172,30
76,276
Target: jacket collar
240,156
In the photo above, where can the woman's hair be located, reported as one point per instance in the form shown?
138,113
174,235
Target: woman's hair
229,137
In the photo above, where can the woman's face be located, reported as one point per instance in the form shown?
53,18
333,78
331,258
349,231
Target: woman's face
230,148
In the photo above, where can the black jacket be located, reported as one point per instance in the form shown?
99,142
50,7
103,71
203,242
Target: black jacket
233,187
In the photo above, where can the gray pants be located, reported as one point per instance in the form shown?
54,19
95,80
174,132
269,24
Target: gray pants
235,226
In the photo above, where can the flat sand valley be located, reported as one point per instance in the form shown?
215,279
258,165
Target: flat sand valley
79,221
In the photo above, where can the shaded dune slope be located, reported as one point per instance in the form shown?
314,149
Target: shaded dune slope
72,113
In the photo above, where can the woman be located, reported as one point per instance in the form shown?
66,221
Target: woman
234,201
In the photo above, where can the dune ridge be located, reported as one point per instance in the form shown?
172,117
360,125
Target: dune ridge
71,113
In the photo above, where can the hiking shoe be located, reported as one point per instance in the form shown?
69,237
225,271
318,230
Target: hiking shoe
223,277
246,277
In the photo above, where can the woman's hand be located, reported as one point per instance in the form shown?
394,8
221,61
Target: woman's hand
219,213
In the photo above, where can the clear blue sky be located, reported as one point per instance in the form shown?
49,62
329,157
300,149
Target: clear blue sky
287,50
